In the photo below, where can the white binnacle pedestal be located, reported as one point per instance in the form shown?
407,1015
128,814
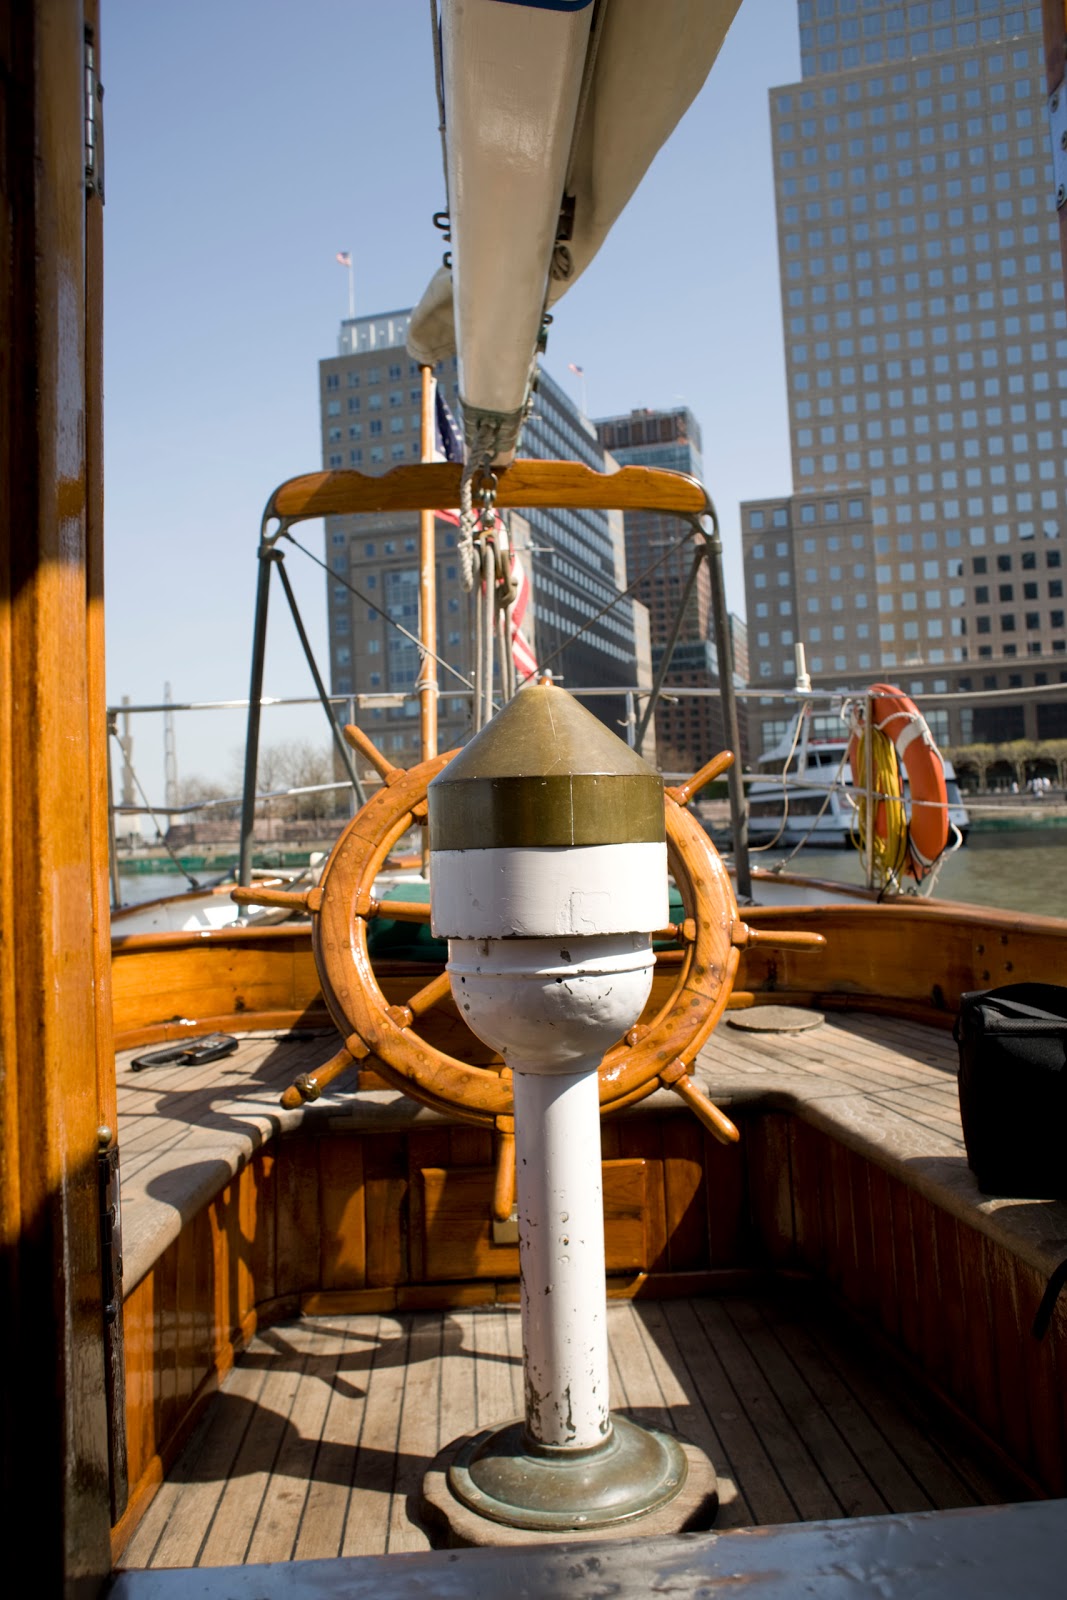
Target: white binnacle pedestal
552,1009
549,876
561,1246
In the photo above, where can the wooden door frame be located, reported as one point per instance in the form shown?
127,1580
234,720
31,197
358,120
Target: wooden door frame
54,990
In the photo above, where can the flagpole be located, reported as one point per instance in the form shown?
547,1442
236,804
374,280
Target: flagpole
427,681
345,259
579,373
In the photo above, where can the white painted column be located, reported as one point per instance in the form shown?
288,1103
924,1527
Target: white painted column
561,1245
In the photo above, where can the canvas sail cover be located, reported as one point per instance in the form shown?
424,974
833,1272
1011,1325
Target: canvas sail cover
647,61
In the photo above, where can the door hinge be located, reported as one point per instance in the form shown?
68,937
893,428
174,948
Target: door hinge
94,122
110,1231
107,1173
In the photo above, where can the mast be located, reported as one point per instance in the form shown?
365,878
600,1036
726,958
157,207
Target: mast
427,685
170,757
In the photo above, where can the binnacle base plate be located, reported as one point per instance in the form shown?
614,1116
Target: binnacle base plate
490,1489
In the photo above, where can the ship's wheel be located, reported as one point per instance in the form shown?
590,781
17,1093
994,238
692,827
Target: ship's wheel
697,960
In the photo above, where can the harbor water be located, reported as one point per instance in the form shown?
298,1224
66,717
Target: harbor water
1017,870
1013,870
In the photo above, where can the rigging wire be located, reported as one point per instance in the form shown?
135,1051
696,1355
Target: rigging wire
623,594
835,783
194,883
439,85
543,662
759,849
337,577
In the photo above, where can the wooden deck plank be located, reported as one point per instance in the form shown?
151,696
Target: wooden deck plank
829,1380
498,1393
761,1492
278,1523
236,1516
419,1434
650,1388
905,1421
671,1326
458,1394
322,1526
810,1497
367,1527
203,1470
839,1465
319,1443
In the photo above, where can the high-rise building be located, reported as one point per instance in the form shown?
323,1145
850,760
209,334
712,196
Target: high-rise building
926,362
370,406
689,729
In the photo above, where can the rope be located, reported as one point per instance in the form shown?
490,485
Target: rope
472,522
759,849
483,640
889,852
835,783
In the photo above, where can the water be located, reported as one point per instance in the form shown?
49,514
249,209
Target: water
137,887
1020,871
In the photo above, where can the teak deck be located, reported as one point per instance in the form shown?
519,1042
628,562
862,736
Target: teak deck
319,1442
370,1217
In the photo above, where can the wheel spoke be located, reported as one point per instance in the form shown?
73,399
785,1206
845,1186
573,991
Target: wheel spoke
398,910
421,1001
289,899
711,770
370,752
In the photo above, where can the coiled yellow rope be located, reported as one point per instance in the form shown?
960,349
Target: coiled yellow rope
890,845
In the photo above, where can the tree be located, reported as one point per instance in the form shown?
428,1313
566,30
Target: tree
295,764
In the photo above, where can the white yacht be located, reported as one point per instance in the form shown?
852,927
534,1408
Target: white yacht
807,795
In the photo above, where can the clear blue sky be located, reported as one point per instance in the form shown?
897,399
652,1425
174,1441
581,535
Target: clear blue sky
247,142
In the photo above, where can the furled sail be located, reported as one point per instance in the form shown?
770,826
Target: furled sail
554,110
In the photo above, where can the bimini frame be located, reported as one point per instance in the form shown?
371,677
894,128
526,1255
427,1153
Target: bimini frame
523,485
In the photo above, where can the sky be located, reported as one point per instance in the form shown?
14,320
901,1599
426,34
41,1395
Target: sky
247,142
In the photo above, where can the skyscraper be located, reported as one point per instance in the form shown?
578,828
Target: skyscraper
688,729
926,363
370,408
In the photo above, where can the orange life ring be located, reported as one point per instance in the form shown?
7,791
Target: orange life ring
903,723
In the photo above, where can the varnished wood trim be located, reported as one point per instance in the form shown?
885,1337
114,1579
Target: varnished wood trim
266,977
523,484
51,1330
224,1022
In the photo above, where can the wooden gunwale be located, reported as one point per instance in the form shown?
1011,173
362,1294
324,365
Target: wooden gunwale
914,958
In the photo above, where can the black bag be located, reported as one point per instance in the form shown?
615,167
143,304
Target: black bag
1013,1088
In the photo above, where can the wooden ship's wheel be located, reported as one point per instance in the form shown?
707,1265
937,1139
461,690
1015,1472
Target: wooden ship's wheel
696,962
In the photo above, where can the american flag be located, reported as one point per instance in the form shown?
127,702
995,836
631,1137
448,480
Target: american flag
345,257
579,370
449,447
449,443
522,655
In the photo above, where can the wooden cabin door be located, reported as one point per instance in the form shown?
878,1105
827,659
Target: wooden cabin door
56,1062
